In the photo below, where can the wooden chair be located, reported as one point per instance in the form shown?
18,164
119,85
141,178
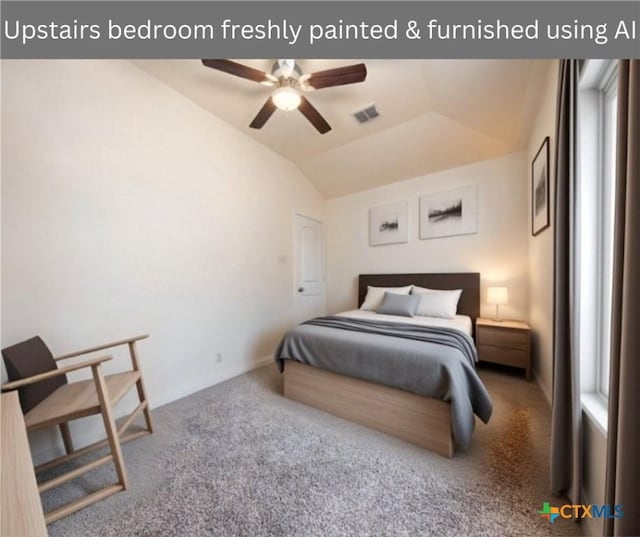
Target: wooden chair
20,504
47,400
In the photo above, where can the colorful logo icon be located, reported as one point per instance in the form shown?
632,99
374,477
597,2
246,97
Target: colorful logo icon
569,511
548,512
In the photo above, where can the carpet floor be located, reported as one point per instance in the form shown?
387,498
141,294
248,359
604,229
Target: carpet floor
239,459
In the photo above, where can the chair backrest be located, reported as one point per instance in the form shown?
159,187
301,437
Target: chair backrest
29,358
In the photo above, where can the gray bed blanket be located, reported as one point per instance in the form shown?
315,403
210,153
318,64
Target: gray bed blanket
431,361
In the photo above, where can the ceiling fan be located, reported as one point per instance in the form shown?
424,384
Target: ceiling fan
290,84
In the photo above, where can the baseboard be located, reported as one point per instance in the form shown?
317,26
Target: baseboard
227,374
543,388
265,360
56,449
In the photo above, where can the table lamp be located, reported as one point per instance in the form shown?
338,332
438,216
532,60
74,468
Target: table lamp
497,296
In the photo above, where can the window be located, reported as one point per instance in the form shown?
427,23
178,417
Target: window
597,112
606,216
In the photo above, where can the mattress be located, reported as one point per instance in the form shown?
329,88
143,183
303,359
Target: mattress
460,322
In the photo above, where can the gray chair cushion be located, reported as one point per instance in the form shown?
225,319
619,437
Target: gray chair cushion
29,358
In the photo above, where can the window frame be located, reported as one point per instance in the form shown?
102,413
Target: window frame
606,191
595,217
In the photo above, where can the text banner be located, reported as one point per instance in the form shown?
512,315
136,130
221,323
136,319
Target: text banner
315,29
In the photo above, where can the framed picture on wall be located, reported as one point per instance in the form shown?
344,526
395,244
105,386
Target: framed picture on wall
540,189
388,224
452,212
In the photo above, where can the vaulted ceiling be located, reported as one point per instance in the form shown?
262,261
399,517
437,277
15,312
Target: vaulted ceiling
434,115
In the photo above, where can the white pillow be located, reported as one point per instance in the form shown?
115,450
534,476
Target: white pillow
375,295
437,303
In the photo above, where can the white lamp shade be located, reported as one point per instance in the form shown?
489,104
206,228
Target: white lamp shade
286,98
497,295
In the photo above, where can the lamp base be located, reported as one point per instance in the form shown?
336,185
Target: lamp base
497,318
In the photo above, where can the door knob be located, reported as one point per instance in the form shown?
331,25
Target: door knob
300,289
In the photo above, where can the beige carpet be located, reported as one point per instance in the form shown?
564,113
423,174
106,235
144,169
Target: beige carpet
239,459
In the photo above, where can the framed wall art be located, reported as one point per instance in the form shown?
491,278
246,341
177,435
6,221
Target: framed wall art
388,224
540,189
452,212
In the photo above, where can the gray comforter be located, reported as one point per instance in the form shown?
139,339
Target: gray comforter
431,361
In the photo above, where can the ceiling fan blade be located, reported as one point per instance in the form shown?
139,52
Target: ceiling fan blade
340,76
238,69
268,108
313,116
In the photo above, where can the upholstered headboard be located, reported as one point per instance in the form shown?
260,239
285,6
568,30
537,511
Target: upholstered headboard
469,282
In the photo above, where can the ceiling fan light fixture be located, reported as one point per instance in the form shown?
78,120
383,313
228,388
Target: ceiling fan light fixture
286,98
290,84
286,67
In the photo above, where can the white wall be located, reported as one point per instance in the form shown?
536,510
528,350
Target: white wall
541,246
128,209
499,251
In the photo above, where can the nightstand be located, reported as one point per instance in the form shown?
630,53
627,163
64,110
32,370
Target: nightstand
504,342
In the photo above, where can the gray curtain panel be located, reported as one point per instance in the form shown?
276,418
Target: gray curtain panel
623,435
566,452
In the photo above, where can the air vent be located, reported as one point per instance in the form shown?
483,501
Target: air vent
366,114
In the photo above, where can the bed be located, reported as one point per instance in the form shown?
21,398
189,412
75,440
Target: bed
412,378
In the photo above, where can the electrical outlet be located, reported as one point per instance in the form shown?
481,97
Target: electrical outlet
218,357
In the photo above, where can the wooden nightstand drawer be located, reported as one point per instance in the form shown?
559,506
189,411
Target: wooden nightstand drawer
499,337
504,342
503,355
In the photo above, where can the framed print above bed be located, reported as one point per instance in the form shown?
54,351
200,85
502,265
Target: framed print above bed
540,189
452,212
388,224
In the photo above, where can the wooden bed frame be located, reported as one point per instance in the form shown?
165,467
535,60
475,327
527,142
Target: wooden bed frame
424,421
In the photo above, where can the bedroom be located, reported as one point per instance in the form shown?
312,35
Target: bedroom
136,199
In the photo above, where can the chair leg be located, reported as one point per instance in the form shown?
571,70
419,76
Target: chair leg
66,437
142,394
110,425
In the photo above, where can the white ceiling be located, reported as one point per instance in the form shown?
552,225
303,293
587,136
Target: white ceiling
435,115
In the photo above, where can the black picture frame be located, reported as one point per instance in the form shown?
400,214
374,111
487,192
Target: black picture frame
540,198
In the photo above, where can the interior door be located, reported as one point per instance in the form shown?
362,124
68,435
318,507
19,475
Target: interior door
309,278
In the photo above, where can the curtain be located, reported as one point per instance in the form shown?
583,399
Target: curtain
623,434
566,450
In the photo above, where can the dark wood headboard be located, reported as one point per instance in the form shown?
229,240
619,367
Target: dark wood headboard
469,282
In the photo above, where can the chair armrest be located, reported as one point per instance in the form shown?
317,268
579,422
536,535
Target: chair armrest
102,347
54,373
